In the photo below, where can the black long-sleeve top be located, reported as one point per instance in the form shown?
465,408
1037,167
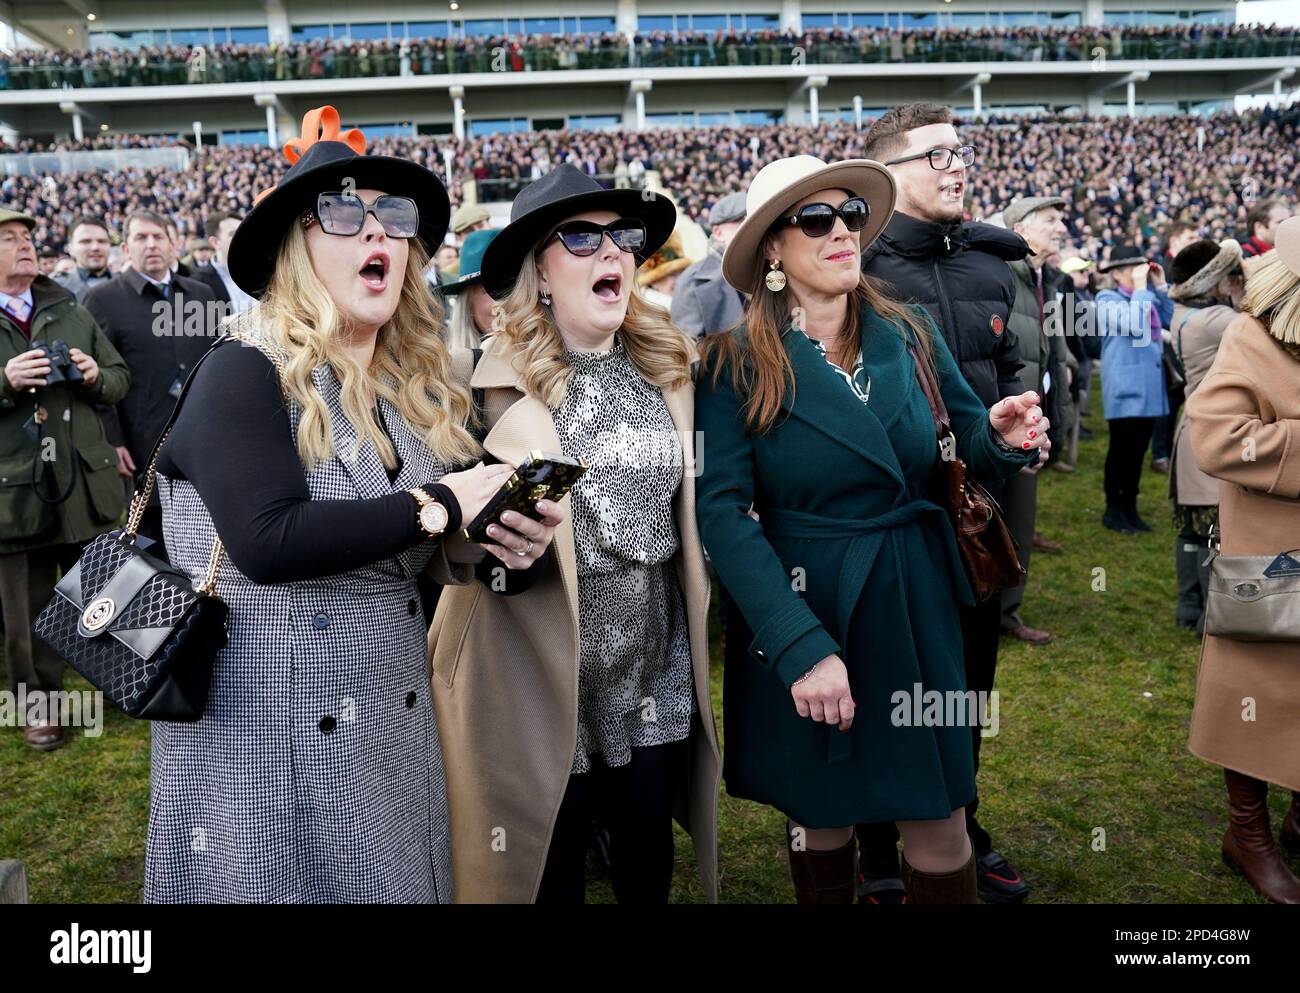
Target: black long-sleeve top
233,442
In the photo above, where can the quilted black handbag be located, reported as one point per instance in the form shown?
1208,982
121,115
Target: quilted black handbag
135,626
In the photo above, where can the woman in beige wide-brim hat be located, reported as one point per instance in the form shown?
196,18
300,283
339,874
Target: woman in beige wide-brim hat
1245,423
847,574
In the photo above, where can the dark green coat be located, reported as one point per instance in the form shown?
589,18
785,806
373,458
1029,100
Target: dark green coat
849,557
98,498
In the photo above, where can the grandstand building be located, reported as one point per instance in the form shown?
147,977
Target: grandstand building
473,67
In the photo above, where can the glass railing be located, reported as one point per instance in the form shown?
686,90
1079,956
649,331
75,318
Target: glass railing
510,57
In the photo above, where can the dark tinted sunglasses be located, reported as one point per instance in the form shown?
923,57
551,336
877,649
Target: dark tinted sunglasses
345,214
817,219
583,238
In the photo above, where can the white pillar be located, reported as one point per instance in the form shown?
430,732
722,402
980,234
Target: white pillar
1132,98
1094,13
457,111
625,17
1277,93
639,88
857,113
198,134
814,83
78,132
277,21
791,15
977,91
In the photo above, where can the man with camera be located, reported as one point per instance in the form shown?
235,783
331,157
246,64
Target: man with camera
58,475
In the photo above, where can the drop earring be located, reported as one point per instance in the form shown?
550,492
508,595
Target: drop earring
546,299
775,279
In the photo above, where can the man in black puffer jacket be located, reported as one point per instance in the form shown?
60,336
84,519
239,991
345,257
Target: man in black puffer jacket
959,273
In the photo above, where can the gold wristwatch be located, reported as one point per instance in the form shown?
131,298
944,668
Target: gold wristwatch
433,515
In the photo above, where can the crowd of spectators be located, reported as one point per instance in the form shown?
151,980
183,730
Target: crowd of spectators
1124,178
347,59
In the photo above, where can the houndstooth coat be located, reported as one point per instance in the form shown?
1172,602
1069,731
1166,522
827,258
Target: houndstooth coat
315,774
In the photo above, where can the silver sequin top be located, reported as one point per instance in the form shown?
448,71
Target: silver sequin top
635,684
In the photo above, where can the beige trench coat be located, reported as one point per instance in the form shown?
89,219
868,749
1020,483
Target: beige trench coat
505,679
1246,432
1197,334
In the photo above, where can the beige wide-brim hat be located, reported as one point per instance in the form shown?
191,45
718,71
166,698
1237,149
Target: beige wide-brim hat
781,184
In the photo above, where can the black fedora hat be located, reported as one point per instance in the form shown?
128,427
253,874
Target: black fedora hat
1122,256
561,193
324,160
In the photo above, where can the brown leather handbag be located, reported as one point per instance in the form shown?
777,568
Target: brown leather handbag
986,547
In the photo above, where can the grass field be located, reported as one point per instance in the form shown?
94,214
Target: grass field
1093,732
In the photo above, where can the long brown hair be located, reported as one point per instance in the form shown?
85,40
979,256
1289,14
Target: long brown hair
760,368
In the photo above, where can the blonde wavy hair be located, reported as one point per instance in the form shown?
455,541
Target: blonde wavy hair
1272,297
659,352
462,332
411,368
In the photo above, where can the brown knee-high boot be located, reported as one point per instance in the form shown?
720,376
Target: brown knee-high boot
1290,836
1248,844
957,886
823,877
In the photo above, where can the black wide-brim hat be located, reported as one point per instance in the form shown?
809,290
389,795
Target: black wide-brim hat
323,161
561,193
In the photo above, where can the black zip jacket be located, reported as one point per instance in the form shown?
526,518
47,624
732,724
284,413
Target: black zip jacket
959,273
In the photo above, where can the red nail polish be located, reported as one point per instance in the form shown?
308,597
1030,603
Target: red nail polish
1025,445
1032,433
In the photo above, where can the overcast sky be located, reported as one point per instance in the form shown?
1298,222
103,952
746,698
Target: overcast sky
1269,12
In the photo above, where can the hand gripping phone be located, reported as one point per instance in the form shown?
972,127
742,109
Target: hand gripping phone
539,477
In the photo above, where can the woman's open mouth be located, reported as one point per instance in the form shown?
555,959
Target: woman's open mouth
609,287
374,273
843,256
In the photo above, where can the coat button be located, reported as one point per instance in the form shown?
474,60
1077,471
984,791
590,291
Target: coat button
326,724
321,621
412,607
410,700
759,653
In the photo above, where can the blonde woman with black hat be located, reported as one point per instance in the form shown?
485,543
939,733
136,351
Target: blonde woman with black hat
814,506
1245,424
320,448
1207,288
585,695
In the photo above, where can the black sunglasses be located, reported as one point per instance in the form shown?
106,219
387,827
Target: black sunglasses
583,238
817,219
941,158
345,214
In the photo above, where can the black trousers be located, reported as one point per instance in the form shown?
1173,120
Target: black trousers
981,628
1125,458
634,802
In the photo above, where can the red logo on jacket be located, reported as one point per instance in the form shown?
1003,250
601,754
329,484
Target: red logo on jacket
995,324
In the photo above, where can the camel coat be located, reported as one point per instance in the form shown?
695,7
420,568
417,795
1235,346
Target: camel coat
1250,403
505,678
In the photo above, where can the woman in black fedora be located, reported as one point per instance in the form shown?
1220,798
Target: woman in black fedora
586,695
321,450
